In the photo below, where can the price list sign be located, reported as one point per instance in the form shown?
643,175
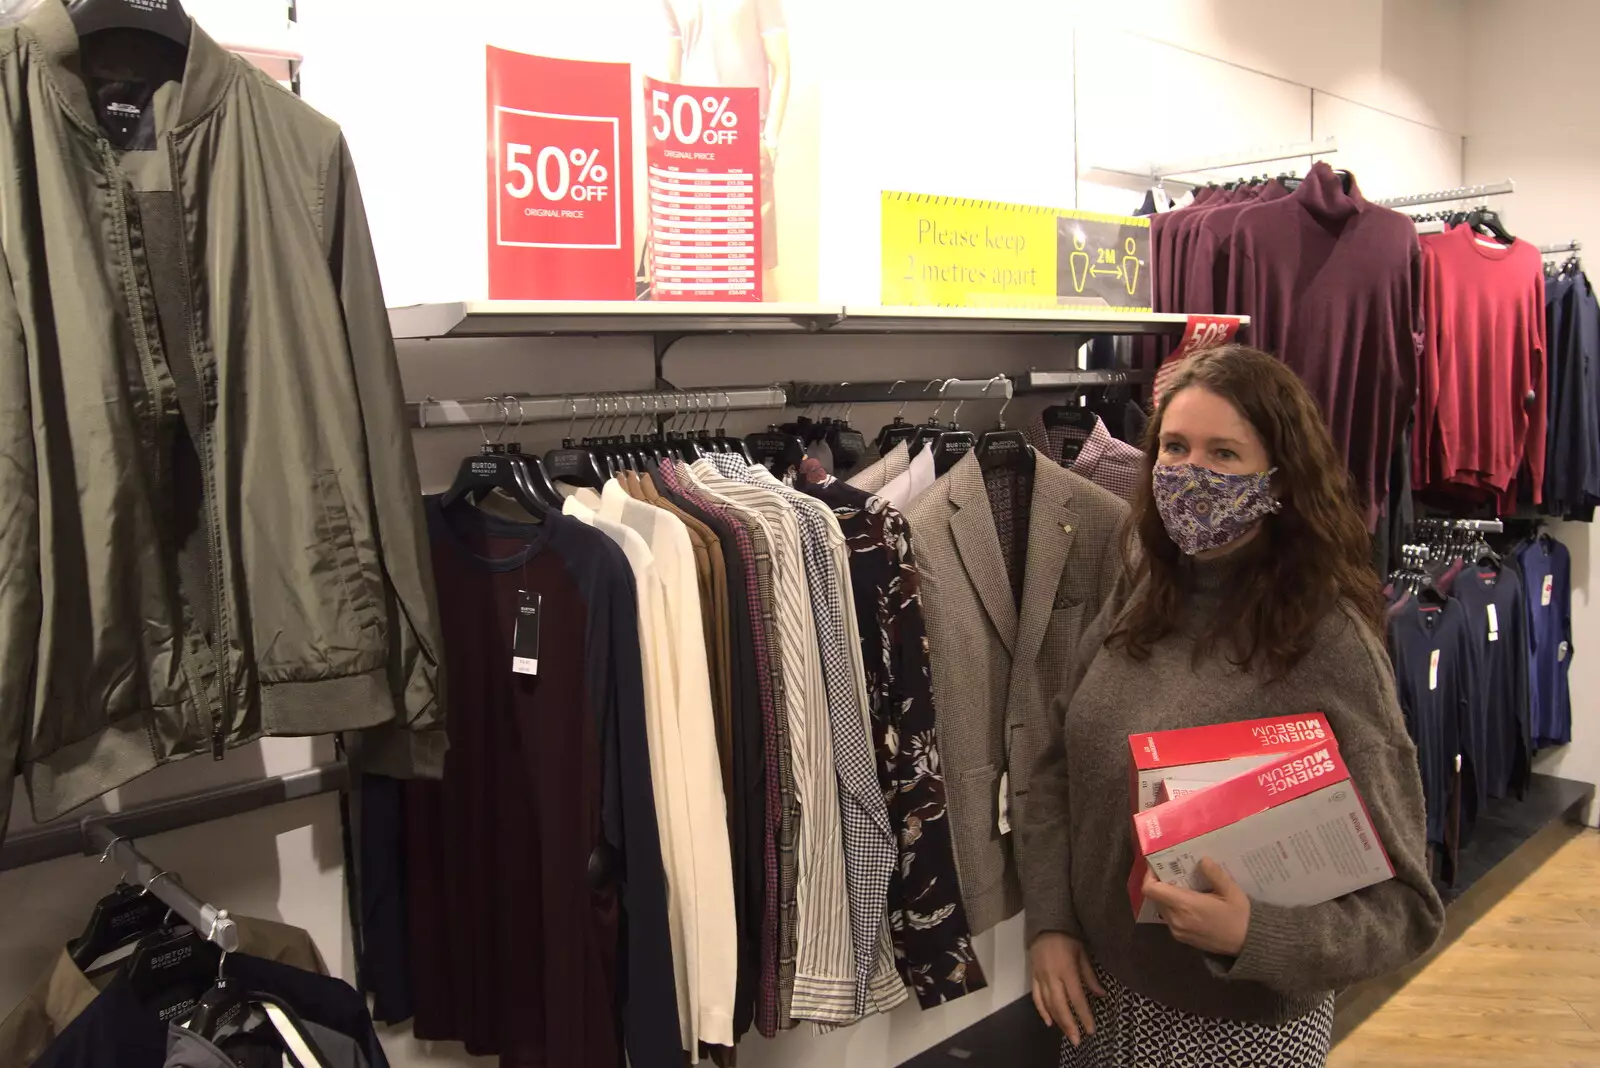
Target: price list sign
704,153
560,179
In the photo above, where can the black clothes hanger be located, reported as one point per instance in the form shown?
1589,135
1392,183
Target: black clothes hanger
494,469
122,917
572,464
1488,222
1000,448
534,474
236,1021
950,447
779,451
172,967
167,19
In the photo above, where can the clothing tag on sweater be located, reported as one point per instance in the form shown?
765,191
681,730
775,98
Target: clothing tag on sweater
1548,591
1494,625
1433,671
1561,651
1004,822
525,634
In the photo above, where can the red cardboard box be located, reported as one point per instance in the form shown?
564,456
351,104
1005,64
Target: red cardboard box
1292,831
1146,911
1211,754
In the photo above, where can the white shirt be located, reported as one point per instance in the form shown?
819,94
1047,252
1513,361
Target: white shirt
910,485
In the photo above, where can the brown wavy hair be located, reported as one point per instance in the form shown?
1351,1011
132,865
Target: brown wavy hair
1317,551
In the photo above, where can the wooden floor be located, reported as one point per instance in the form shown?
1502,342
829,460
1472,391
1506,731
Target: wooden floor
1520,987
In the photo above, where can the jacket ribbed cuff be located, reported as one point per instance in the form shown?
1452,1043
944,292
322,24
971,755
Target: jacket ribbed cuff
1269,947
402,753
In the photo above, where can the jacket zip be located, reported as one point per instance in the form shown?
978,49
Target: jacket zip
222,711
146,366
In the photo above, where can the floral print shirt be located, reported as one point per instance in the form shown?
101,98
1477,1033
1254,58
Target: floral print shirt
932,940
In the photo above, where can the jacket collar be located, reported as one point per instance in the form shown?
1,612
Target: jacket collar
1051,527
207,74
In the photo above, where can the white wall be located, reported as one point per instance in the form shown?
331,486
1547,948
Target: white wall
1544,133
1006,100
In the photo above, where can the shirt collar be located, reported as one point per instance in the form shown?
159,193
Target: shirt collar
1088,458
207,73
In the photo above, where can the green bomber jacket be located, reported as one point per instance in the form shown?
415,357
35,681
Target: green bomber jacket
210,522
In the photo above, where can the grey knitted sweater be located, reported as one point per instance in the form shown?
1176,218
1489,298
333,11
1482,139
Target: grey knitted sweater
1078,847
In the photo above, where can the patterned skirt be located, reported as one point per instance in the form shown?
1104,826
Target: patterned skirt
1131,1031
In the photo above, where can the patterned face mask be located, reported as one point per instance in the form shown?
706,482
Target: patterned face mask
1205,509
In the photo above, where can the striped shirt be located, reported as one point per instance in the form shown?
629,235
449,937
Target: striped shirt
824,985
869,842
781,811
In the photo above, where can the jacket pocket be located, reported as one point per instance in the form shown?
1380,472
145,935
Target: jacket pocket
1061,638
975,819
336,533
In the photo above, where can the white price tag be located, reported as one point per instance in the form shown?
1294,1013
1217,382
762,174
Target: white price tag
1004,822
1549,588
525,665
1494,625
1561,652
1433,671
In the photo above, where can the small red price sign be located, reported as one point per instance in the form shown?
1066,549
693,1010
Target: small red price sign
1203,332
704,153
560,141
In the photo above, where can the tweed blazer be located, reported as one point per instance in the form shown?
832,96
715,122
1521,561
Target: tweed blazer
876,476
995,670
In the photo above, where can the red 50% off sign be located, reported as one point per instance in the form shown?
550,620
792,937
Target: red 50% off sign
704,156
560,198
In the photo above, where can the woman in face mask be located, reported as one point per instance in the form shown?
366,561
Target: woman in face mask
1247,594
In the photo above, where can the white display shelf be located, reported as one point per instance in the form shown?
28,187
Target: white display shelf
546,318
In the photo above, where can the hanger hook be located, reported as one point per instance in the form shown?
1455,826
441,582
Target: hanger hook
483,426
572,423
1001,418
849,406
940,406
105,854
156,878
727,406
892,387
505,420
522,413
930,385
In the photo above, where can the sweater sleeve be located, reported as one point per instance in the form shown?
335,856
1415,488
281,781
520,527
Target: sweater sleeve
1044,859
1305,949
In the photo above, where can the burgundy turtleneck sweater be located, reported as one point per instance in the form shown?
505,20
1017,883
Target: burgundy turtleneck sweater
1332,283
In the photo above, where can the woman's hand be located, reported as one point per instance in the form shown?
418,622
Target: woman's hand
1216,921
1061,972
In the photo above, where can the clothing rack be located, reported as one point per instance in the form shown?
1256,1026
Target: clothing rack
1440,196
1479,526
1574,245
1048,381
92,834
210,922
515,409
808,394
1170,171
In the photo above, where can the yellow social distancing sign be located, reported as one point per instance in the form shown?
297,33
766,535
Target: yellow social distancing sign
955,252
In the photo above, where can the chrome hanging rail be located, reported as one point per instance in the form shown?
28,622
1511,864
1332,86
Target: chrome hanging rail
492,411
92,834
1442,196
